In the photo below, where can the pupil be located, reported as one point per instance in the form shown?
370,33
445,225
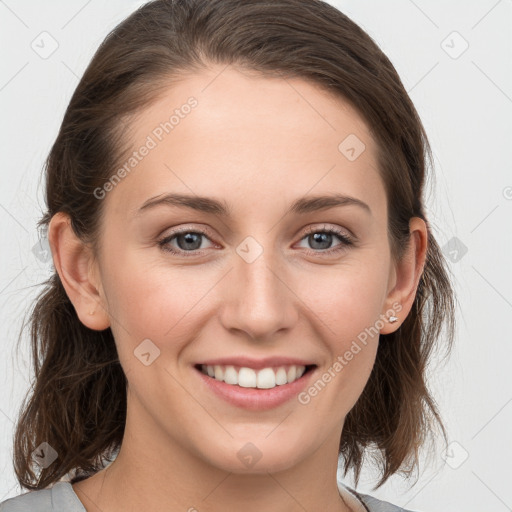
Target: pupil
189,239
318,237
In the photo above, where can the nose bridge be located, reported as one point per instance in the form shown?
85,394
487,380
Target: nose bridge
261,302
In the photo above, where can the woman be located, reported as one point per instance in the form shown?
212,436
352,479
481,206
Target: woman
246,285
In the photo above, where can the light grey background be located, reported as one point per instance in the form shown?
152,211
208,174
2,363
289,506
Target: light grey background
464,97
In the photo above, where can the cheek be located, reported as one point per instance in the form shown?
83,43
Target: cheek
348,298
154,322
148,301
349,304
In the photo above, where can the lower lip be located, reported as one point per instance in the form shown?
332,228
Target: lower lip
255,399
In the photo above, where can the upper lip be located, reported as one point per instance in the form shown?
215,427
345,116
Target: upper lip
257,364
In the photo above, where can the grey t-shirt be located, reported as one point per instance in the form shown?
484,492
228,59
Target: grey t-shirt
62,498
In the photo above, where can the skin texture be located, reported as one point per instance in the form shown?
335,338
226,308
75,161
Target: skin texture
257,144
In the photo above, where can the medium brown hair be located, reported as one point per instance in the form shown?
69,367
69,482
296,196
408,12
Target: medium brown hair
78,401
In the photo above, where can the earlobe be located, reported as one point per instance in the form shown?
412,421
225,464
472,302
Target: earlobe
73,261
408,272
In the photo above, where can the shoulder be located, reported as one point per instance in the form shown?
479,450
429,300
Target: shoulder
58,498
32,500
376,505
370,503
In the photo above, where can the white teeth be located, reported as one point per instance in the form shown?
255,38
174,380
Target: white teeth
281,377
230,375
218,372
266,378
246,378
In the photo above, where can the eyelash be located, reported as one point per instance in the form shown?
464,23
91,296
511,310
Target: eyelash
346,240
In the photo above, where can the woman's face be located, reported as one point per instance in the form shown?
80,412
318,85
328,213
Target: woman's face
260,284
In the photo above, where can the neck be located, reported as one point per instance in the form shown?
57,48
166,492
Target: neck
156,472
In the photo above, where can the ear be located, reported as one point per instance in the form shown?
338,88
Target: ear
405,276
78,272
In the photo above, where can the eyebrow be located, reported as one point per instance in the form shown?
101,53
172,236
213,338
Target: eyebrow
213,206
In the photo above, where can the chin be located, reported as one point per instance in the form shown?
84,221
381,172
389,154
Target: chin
254,457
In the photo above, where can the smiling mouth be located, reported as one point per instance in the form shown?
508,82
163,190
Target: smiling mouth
264,378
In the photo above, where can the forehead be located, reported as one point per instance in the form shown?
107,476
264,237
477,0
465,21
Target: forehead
234,133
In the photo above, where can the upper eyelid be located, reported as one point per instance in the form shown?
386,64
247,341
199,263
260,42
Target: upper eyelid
313,228
326,227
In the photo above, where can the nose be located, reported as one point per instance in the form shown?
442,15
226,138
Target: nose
260,302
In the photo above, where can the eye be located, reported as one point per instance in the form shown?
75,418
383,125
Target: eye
188,241
321,239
